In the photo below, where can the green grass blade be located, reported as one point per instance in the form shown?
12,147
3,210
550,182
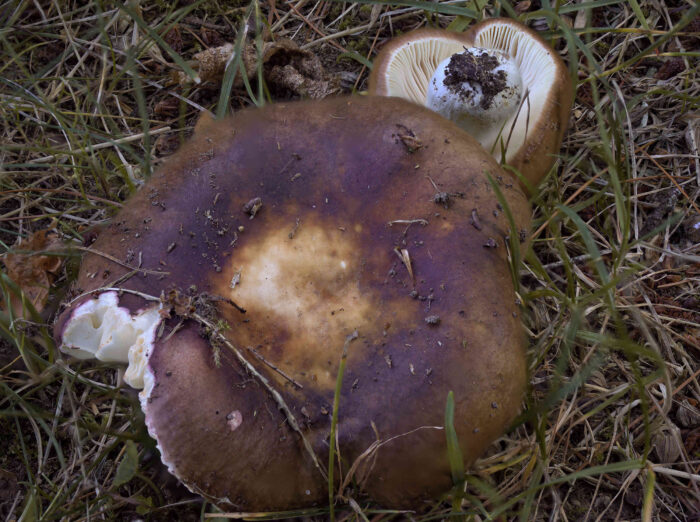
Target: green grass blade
234,66
454,452
334,422
429,7
156,38
594,251
129,465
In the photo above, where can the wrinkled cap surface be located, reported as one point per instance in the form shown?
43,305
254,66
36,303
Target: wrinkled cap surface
530,137
367,215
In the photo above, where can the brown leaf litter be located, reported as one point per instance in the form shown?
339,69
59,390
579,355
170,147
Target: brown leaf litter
286,68
34,268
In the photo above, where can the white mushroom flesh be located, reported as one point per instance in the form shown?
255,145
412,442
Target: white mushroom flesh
101,329
475,88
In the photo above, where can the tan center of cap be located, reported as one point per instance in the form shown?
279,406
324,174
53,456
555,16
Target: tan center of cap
302,297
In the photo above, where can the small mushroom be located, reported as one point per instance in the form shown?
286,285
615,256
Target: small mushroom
238,403
499,81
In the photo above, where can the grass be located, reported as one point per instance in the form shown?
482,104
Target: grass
610,288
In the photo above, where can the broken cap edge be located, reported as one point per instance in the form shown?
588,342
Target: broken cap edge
99,328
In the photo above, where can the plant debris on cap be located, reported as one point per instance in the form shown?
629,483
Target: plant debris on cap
499,81
240,404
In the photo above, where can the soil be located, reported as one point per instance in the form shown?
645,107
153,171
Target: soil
466,67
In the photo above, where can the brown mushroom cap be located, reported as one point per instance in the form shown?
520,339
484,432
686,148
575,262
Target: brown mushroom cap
529,138
377,216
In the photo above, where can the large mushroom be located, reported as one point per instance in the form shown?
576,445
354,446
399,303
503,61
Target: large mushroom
360,218
499,81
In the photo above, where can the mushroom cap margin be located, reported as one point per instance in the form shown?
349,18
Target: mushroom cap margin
537,154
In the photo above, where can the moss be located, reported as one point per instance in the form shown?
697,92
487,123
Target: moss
346,23
334,12
360,45
602,48
366,10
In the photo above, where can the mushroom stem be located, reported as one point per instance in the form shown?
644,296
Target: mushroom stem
478,89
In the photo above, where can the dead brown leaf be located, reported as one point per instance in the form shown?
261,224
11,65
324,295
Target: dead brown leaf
691,442
33,271
174,39
211,37
168,107
670,68
523,6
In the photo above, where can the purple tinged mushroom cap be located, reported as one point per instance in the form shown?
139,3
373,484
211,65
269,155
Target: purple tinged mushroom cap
319,219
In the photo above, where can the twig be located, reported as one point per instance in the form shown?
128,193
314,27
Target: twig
676,473
673,180
405,258
103,145
61,191
115,260
271,389
335,35
316,29
408,222
275,368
